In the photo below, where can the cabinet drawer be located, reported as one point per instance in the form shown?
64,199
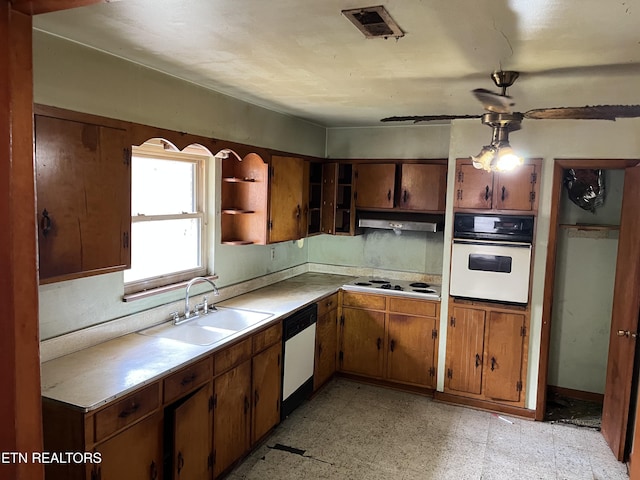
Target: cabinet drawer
232,356
327,304
363,300
413,307
267,337
187,379
126,411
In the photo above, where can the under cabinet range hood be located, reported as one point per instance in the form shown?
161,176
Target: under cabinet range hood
399,222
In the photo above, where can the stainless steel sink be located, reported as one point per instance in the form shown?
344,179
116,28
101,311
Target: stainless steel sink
210,328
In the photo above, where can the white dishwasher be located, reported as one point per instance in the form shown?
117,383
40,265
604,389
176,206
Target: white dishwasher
299,343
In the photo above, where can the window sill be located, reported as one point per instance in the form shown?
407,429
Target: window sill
131,297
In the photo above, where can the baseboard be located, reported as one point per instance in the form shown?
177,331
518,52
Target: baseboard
485,405
577,394
385,383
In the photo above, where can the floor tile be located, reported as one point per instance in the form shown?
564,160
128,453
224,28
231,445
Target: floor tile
354,431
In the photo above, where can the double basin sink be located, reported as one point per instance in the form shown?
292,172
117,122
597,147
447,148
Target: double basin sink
210,328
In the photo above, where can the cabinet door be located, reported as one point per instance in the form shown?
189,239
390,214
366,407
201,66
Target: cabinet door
362,339
411,349
287,207
192,437
375,185
516,190
329,192
134,454
84,198
423,187
505,344
474,187
266,390
326,348
231,416
465,342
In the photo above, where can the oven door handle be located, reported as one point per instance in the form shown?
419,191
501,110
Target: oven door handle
490,243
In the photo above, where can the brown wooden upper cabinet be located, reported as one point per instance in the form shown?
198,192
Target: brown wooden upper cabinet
83,183
244,200
515,190
289,198
401,186
375,185
264,202
336,215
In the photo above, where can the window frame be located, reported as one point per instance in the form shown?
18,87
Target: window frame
199,156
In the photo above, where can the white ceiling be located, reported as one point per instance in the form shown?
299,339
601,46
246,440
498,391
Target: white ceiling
304,58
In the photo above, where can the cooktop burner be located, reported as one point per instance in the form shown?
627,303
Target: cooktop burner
395,287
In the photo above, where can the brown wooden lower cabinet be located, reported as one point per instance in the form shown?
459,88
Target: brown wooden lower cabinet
231,416
191,459
389,337
326,341
193,424
246,395
135,454
266,383
487,352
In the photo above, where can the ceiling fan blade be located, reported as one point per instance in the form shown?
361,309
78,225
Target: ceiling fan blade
427,118
493,102
594,112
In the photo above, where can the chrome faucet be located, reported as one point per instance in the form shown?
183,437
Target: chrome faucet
187,313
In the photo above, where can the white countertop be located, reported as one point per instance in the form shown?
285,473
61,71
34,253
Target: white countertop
89,378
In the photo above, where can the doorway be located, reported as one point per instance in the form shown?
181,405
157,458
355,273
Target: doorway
617,386
587,244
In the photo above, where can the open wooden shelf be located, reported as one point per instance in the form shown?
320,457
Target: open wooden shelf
238,180
236,211
589,227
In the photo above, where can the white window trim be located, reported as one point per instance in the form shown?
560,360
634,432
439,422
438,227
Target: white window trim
157,148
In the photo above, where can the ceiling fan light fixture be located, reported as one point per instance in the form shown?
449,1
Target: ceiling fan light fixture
507,159
485,158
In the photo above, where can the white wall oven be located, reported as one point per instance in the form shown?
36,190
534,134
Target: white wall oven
491,257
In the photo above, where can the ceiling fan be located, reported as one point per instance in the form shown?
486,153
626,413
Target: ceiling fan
499,155
501,103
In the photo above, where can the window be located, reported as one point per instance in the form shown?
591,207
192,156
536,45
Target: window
168,235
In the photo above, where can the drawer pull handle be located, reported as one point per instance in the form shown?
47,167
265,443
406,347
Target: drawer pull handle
379,343
392,345
187,380
486,193
493,363
477,360
45,223
129,411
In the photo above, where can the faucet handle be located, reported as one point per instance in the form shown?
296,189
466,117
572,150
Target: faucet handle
175,316
205,304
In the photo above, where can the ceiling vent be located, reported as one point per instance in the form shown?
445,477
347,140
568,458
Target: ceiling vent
374,22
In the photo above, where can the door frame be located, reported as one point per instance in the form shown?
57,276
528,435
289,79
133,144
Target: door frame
559,166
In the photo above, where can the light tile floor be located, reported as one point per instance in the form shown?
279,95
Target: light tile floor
353,431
